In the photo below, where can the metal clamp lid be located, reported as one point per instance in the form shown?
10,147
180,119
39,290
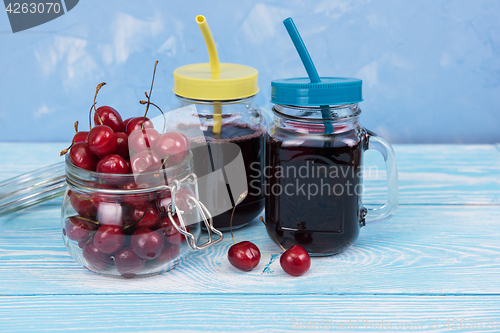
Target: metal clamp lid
191,179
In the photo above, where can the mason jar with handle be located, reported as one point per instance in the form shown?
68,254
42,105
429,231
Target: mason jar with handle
217,111
313,175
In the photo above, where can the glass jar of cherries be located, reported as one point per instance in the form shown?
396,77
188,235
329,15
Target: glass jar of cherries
133,225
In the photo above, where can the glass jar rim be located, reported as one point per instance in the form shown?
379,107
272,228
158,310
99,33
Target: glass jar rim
222,102
317,109
83,176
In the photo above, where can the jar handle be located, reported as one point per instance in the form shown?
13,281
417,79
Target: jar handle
385,212
32,188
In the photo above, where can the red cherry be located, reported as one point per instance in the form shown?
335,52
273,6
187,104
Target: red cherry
113,163
172,146
109,117
102,140
244,255
135,124
145,161
98,197
109,238
169,253
128,263
172,235
82,204
82,156
125,123
78,229
143,139
136,199
96,260
181,197
188,142
122,145
146,217
295,261
81,137
147,243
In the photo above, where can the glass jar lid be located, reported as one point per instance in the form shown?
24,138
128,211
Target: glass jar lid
197,81
214,81
330,91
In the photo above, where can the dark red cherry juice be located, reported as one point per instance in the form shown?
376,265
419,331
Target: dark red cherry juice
313,190
250,141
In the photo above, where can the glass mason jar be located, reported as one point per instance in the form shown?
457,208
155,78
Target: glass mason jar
226,128
242,130
313,175
130,226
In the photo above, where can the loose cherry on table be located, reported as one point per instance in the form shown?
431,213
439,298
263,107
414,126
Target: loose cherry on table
295,261
244,255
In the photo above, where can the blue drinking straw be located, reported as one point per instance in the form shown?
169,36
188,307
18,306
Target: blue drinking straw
309,65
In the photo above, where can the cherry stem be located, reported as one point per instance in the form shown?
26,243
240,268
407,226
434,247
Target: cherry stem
65,151
164,118
86,219
99,86
262,219
145,212
149,96
242,196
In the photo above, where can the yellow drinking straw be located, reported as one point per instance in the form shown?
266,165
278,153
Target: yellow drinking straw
214,67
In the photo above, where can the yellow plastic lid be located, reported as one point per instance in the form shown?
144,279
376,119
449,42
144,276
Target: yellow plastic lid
214,81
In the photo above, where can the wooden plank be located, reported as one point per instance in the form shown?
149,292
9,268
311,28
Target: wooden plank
432,250
255,313
438,174
429,174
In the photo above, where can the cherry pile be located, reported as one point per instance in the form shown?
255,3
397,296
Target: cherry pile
125,231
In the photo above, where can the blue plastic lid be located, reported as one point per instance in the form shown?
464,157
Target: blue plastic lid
330,91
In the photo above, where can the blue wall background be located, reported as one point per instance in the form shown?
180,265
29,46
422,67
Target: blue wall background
431,69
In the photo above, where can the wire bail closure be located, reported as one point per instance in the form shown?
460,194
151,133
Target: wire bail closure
192,202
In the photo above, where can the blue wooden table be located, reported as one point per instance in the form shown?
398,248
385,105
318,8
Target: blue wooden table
434,267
